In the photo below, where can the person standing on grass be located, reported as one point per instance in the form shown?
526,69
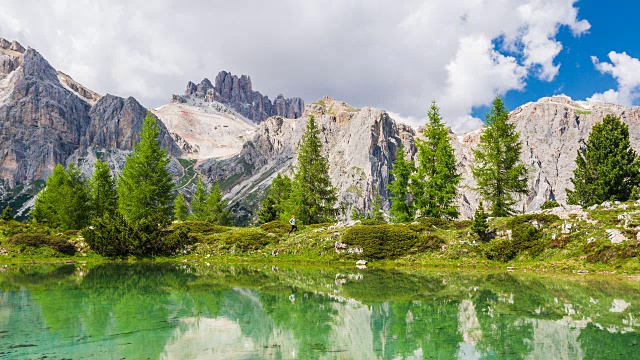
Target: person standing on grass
292,221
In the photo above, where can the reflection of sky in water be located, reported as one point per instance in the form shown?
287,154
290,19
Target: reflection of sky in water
168,312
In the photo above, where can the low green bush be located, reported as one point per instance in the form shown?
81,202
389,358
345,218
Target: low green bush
605,252
200,227
389,241
524,238
247,239
369,222
114,237
542,219
276,227
39,240
549,204
12,227
434,222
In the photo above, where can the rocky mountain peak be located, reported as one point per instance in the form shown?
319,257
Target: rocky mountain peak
88,95
13,46
237,93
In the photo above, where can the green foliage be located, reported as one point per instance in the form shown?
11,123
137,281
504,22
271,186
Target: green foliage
369,221
313,196
401,203
549,204
389,241
480,224
274,204
102,190
498,171
607,168
201,227
376,209
207,205
527,219
275,227
145,188
356,214
524,238
64,202
6,214
435,182
605,252
39,240
247,239
115,237
180,210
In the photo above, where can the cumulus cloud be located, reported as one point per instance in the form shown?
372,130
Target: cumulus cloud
366,52
626,70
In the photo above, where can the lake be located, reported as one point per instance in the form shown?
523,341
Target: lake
189,311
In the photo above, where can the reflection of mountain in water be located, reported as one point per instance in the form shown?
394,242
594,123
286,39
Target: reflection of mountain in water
184,312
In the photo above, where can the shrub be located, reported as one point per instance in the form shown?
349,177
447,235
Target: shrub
115,237
389,241
434,222
524,238
368,222
13,227
276,227
549,204
542,219
247,239
606,252
39,240
200,227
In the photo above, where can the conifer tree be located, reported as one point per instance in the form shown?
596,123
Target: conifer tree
401,203
145,188
500,174
6,214
199,209
434,184
480,225
313,196
64,202
607,167
102,187
273,205
180,210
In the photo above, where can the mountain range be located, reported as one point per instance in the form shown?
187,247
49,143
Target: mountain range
233,135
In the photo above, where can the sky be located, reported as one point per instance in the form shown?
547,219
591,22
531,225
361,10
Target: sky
398,56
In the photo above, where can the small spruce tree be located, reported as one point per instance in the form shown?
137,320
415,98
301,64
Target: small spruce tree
145,188
313,196
207,204
102,188
435,182
480,225
199,209
273,205
64,202
607,168
180,209
6,214
401,202
500,174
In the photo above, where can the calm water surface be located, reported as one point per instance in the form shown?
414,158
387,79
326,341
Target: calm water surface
178,311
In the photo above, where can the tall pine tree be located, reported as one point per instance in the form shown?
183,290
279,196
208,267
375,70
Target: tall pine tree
145,188
313,196
434,184
64,202
401,203
500,174
104,198
273,205
607,167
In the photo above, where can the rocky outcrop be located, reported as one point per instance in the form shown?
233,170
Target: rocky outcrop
237,93
115,123
86,94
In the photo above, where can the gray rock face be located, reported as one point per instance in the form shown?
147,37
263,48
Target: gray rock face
237,92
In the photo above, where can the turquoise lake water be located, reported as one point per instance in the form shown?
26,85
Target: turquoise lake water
185,311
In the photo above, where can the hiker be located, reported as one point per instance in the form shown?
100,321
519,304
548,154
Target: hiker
292,221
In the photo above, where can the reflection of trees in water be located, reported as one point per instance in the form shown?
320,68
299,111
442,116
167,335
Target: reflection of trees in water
145,309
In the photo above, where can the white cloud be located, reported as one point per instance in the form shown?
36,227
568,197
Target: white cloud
626,70
366,52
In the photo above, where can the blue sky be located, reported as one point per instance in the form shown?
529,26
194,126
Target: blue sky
614,27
